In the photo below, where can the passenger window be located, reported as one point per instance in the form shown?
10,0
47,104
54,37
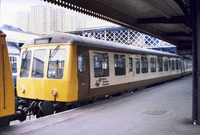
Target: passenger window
179,64
101,64
13,63
176,64
153,64
56,63
39,63
173,65
144,61
25,64
166,64
120,64
81,64
137,64
130,61
160,64
170,64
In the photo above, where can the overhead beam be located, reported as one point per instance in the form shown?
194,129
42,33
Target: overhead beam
99,10
180,34
172,20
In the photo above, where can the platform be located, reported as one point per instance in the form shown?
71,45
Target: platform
165,109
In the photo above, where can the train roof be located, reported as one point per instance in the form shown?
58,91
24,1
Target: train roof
79,40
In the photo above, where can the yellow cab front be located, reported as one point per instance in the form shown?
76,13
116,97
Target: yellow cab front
48,72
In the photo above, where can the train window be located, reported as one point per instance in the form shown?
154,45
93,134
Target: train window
25,64
160,64
13,63
176,64
120,64
101,64
130,61
144,61
153,64
137,64
173,65
39,63
56,63
81,64
170,64
179,64
166,64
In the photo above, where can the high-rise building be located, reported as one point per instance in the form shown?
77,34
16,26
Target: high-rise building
59,20
23,20
41,19
44,20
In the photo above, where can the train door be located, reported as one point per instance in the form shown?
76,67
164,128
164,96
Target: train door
83,72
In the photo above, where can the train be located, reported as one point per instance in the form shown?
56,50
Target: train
58,69
14,53
8,103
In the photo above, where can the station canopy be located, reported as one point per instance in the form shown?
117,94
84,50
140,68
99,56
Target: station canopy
168,20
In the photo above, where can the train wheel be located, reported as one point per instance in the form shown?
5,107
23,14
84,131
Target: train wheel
47,108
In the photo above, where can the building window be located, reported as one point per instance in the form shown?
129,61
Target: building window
39,63
101,64
144,61
56,63
153,64
160,64
130,61
81,64
166,64
25,64
120,64
137,64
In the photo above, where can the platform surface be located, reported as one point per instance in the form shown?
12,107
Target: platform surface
165,109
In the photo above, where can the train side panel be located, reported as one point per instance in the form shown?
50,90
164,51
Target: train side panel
7,93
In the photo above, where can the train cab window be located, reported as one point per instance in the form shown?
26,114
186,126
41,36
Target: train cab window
166,64
176,64
144,61
137,64
56,63
101,64
13,63
120,64
39,63
173,65
153,64
130,61
160,64
81,64
25,64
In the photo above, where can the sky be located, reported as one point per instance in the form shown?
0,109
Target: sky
9,8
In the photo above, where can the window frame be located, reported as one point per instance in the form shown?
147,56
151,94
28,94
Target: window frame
144,65
120,64
104,72
130,64
160,64
154,68
44,63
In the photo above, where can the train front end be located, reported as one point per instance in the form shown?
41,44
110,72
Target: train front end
47,76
